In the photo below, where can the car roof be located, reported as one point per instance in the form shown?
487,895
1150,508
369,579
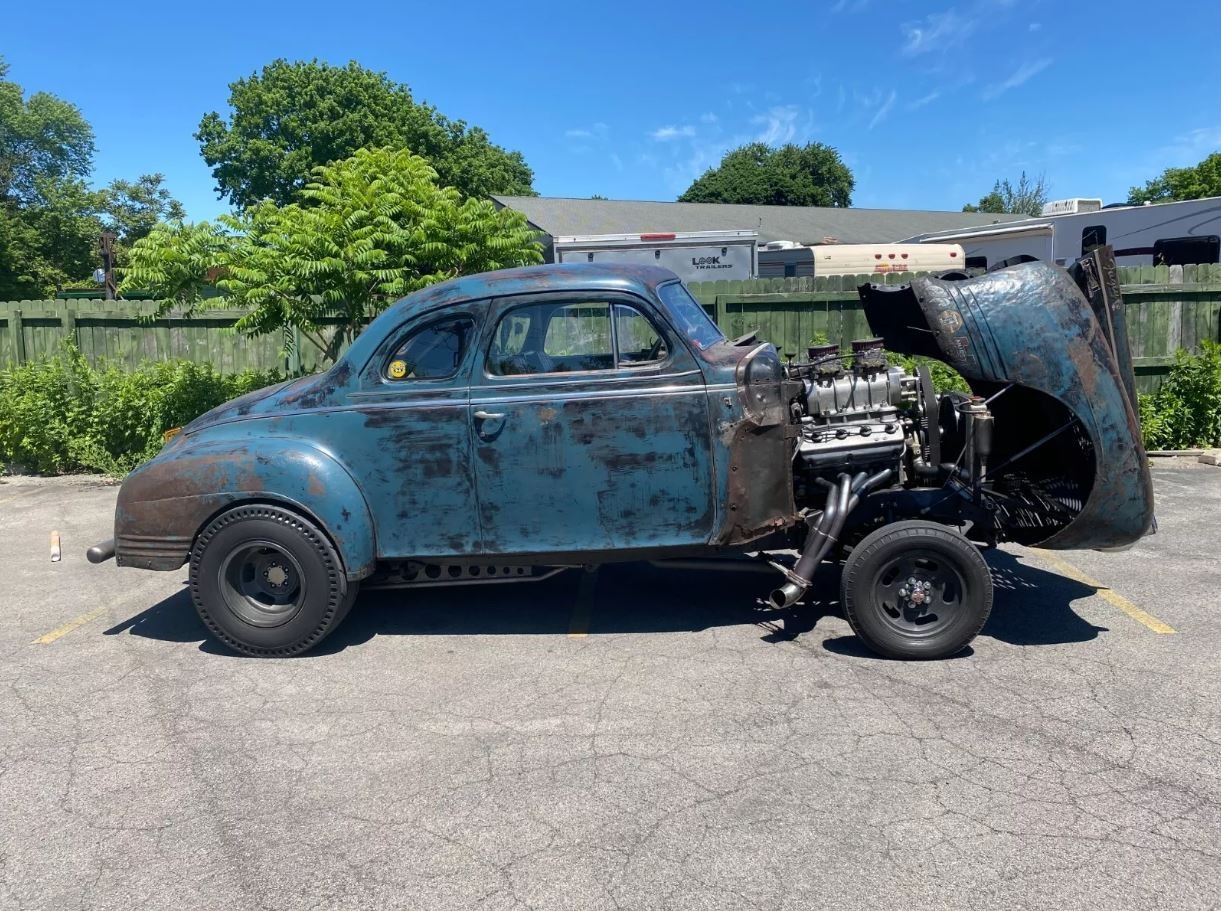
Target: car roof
535,279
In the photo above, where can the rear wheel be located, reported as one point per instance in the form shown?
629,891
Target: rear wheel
916,590
267,582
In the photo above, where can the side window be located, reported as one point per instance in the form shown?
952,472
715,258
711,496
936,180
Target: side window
636,338
578,337
432,352
552,338
1187,251
1093,236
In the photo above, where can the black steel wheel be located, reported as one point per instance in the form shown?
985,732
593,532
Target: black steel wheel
916,590
267,582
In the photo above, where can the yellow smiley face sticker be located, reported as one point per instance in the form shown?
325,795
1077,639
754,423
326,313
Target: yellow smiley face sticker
398,370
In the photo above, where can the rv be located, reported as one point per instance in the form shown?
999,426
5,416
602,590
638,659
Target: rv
785,259
694,256
1171,233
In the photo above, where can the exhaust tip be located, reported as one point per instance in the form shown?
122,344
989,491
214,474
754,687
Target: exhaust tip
786,595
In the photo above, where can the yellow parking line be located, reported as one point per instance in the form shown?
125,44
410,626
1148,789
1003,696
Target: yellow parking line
60,631
1107,594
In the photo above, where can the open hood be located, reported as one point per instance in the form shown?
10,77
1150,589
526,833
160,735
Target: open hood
1050,345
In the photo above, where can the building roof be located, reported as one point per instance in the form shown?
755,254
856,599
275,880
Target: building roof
559,216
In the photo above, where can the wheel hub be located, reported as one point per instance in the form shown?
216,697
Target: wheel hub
262,584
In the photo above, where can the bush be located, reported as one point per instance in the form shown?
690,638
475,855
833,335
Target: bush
62,415
1185,413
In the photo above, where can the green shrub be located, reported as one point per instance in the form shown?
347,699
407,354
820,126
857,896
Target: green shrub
63,415
1185,413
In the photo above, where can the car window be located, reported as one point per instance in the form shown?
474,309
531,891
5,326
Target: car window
637,339
552,338
689,316
432,352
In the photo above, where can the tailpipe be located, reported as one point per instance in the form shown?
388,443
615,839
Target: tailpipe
100,553
841,500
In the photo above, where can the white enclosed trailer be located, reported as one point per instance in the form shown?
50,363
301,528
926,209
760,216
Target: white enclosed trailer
695,256
1172,233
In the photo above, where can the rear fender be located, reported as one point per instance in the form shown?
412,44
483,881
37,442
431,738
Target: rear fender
165,503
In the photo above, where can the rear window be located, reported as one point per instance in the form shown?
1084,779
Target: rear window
689,316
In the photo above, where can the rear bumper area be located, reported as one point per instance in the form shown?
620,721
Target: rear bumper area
152,551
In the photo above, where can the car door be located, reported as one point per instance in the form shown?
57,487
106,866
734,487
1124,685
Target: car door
407,436
590,429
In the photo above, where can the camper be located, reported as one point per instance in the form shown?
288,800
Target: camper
694,256
786,259
1171,233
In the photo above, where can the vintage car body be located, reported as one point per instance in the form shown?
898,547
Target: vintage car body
469,436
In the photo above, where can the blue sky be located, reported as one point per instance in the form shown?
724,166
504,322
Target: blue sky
928,102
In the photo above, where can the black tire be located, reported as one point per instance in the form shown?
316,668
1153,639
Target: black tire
943,618
267,582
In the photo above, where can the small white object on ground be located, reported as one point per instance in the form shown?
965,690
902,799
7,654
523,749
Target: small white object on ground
55,550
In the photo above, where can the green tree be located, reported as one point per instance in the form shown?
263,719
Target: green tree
43,140
809,175
294,116
1198,182
367,230
48,222
1026,198
131,208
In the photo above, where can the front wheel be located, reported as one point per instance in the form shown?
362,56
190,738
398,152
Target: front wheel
916,590
267,582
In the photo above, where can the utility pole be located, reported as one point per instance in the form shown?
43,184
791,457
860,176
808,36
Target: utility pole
107,248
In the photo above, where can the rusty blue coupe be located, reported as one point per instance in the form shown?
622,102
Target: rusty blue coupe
508,425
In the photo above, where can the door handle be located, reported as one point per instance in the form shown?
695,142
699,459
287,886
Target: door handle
488,415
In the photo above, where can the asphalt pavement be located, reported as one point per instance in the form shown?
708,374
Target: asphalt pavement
646,739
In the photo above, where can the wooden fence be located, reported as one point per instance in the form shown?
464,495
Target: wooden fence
1167,309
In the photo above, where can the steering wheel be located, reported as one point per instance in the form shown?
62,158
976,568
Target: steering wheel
655,350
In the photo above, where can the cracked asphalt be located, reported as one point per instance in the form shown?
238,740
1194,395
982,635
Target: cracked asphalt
460,749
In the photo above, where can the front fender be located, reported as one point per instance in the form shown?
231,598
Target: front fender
165,503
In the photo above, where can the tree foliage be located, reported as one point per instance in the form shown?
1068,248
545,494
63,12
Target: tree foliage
1027,197
367,230
809,175
50,221
1198,182
295,116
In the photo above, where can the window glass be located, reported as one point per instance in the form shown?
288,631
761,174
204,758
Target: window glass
689,316
433,352
552,338
1093,236
636,337
1187,251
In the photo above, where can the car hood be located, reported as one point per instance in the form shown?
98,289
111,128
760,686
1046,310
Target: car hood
1051,347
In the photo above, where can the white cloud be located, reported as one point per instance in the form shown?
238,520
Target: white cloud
668,133
884,110
594,131
778,125
938,32
708,118
1021,75
927,99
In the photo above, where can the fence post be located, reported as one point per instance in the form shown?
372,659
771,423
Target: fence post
68,323
17,337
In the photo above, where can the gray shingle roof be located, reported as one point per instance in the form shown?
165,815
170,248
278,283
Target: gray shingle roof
804,224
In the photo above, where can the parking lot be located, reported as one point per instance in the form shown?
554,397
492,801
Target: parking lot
652,738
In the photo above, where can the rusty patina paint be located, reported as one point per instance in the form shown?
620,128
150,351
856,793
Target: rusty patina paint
599,465
1030,325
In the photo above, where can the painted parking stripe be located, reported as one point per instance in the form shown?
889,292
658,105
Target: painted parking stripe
1107,594
75,623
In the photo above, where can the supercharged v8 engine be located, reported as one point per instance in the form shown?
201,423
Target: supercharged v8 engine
852,414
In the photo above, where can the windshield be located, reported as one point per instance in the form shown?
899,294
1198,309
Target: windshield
689,316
